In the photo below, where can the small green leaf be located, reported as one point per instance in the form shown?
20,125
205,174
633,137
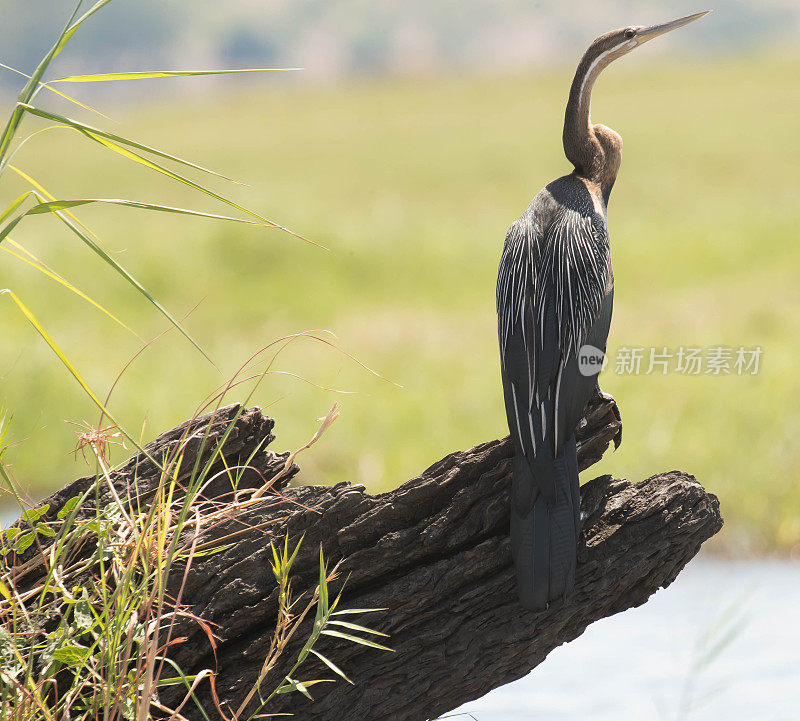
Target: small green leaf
11,667
214,550
322,605
66,509
45,530
24,542
276,563
71,655
12,533
356,627
294,553
292,685
82,614
353,611
6,644
31,515
332,666
355,639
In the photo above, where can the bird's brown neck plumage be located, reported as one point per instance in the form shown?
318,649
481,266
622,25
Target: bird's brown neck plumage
594,150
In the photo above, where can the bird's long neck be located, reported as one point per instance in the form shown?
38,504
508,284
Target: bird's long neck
594,150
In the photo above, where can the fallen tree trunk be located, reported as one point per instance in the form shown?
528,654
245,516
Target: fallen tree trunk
434,553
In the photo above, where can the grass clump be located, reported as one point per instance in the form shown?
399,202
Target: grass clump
91,596
87,618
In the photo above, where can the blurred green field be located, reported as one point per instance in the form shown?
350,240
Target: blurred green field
412,184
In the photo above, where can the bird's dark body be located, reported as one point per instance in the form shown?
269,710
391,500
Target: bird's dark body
562,232
555,292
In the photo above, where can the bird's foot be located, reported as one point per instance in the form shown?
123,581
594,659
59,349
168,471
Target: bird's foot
615,412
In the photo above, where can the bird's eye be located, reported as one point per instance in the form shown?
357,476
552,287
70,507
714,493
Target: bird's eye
630,32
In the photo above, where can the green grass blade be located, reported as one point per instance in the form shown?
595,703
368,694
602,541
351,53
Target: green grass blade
27,257
77,125
356,627
152,74
117,148
9,131
27,93
57,92
127,276
332,666
86,236
290,562
276,562
73,28
24,141
322,604
355,639
54,347
8,227
15,204
53,206
44,192
116,143
292,685
185,680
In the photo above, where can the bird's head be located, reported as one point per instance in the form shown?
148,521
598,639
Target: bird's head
596,150
617,43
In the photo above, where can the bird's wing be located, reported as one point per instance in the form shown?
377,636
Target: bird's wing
577,263
551,290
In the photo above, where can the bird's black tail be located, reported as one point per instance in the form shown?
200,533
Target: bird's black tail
544,540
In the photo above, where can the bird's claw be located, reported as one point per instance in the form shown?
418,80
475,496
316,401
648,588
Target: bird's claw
615,412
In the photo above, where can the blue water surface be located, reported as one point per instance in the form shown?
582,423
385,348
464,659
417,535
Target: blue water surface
722,643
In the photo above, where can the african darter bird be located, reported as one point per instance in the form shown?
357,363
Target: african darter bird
554,294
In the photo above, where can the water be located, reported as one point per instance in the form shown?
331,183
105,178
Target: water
722,642
8,514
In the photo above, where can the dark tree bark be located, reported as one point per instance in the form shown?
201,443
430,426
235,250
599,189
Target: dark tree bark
434,553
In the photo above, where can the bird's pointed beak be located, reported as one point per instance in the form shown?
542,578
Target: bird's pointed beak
645,34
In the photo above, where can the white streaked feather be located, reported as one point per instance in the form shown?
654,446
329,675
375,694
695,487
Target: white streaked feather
555,405
516,414
569,267
533,435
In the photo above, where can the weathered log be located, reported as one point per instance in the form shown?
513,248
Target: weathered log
434,553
